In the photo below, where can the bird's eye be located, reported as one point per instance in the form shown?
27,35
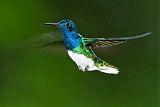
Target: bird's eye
67,25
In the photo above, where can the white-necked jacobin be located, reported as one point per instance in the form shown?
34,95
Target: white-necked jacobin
80,48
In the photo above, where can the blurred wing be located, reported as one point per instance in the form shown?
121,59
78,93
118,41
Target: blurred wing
47,42
107,42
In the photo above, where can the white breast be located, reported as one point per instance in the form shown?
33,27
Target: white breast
82,61
87,64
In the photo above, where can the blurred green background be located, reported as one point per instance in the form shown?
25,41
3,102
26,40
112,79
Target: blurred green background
35,79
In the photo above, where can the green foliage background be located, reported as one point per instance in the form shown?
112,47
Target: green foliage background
35,79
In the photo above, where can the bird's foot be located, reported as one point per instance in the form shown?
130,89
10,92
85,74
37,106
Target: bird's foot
82,68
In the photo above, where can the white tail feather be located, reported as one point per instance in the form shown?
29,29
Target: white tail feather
108,70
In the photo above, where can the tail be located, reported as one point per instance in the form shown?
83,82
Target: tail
108,69
104,67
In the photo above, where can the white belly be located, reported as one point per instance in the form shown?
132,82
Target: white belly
82,61
86,64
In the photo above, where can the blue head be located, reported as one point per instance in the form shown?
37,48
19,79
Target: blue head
69,32
67,26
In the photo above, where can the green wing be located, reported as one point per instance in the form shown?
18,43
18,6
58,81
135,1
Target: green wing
107,42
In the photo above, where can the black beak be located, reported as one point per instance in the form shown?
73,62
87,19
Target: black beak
54,24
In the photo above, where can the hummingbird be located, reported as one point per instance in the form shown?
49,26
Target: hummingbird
80,49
